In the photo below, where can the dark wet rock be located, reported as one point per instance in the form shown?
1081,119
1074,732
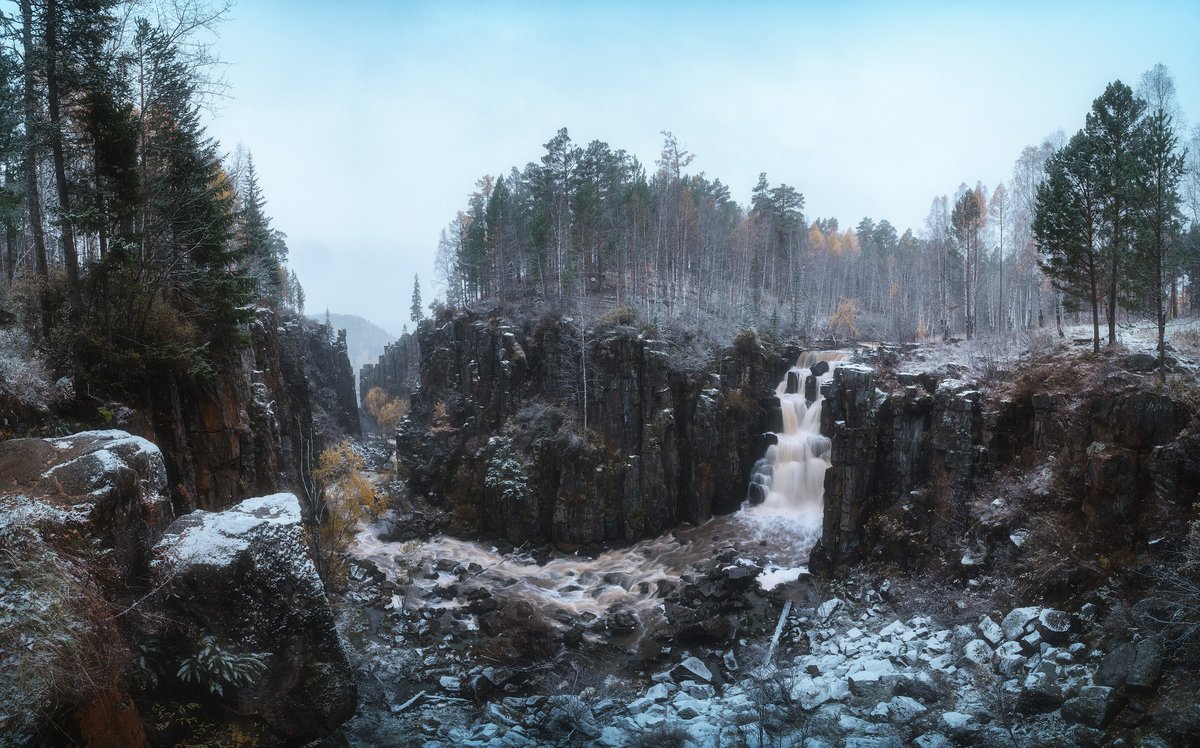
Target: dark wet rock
1135,666
1140,362
920,686
1039,698
494,429
622,622
244,576
1093,707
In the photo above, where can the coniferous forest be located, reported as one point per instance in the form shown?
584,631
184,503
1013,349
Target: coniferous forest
587,222
133,247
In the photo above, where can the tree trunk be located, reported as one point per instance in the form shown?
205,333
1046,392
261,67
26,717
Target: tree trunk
60,173
32,197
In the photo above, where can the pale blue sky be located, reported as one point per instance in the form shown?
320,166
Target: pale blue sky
371,121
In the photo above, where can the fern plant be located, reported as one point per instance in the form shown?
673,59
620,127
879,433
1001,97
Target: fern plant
215,668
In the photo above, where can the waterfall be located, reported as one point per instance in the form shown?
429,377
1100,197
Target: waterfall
788,483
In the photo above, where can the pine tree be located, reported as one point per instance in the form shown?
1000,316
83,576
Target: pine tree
1113,127
414,312
1158,244
1068,223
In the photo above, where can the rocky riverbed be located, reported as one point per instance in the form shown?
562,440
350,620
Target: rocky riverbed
863,662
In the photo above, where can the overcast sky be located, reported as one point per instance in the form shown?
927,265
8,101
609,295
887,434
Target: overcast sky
370,121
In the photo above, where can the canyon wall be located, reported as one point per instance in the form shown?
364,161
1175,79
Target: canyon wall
248,429
527,431
930,460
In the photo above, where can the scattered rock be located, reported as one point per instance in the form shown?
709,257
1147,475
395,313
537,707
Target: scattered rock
1014,624
693,668
1093,707
827,608
991,631
1054,625
978,651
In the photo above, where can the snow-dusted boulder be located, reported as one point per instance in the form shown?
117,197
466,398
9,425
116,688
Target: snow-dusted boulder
112,484
244,576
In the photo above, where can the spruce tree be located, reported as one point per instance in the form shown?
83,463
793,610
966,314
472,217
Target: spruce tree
414,312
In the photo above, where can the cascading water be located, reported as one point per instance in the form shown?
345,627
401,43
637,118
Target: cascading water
781,522
787,485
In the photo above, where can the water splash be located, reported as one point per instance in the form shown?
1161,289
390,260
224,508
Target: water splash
787,486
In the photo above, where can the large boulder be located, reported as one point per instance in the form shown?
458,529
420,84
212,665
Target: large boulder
113,484
244,576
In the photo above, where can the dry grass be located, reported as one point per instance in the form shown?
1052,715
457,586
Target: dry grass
59,642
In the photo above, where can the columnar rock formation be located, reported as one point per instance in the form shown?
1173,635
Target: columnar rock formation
247,429
396,371
498,427
907,460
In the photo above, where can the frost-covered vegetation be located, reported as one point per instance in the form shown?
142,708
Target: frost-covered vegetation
58,641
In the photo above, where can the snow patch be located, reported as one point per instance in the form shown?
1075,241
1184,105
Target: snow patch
216,538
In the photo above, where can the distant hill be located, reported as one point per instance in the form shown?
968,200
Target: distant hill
364,339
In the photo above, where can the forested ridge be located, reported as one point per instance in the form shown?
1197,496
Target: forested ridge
588,224
133,246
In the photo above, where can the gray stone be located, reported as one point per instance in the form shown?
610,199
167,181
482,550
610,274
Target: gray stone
827,608
729,661
1147,664
1093,707
991,631
694,668
920,686
1054,625
1135,666
933,740
1031,643
978,651
1039,698
956,720
245,575
1015,623
904,709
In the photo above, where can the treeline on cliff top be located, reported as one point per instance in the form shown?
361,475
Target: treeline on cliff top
592,223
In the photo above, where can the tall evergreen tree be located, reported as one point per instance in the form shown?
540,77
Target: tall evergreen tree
1158,231
1068,223
263,247
1113,128
414,311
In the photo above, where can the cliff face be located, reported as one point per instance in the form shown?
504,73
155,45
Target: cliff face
527,434
104,585
246,430
930,461
396,371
